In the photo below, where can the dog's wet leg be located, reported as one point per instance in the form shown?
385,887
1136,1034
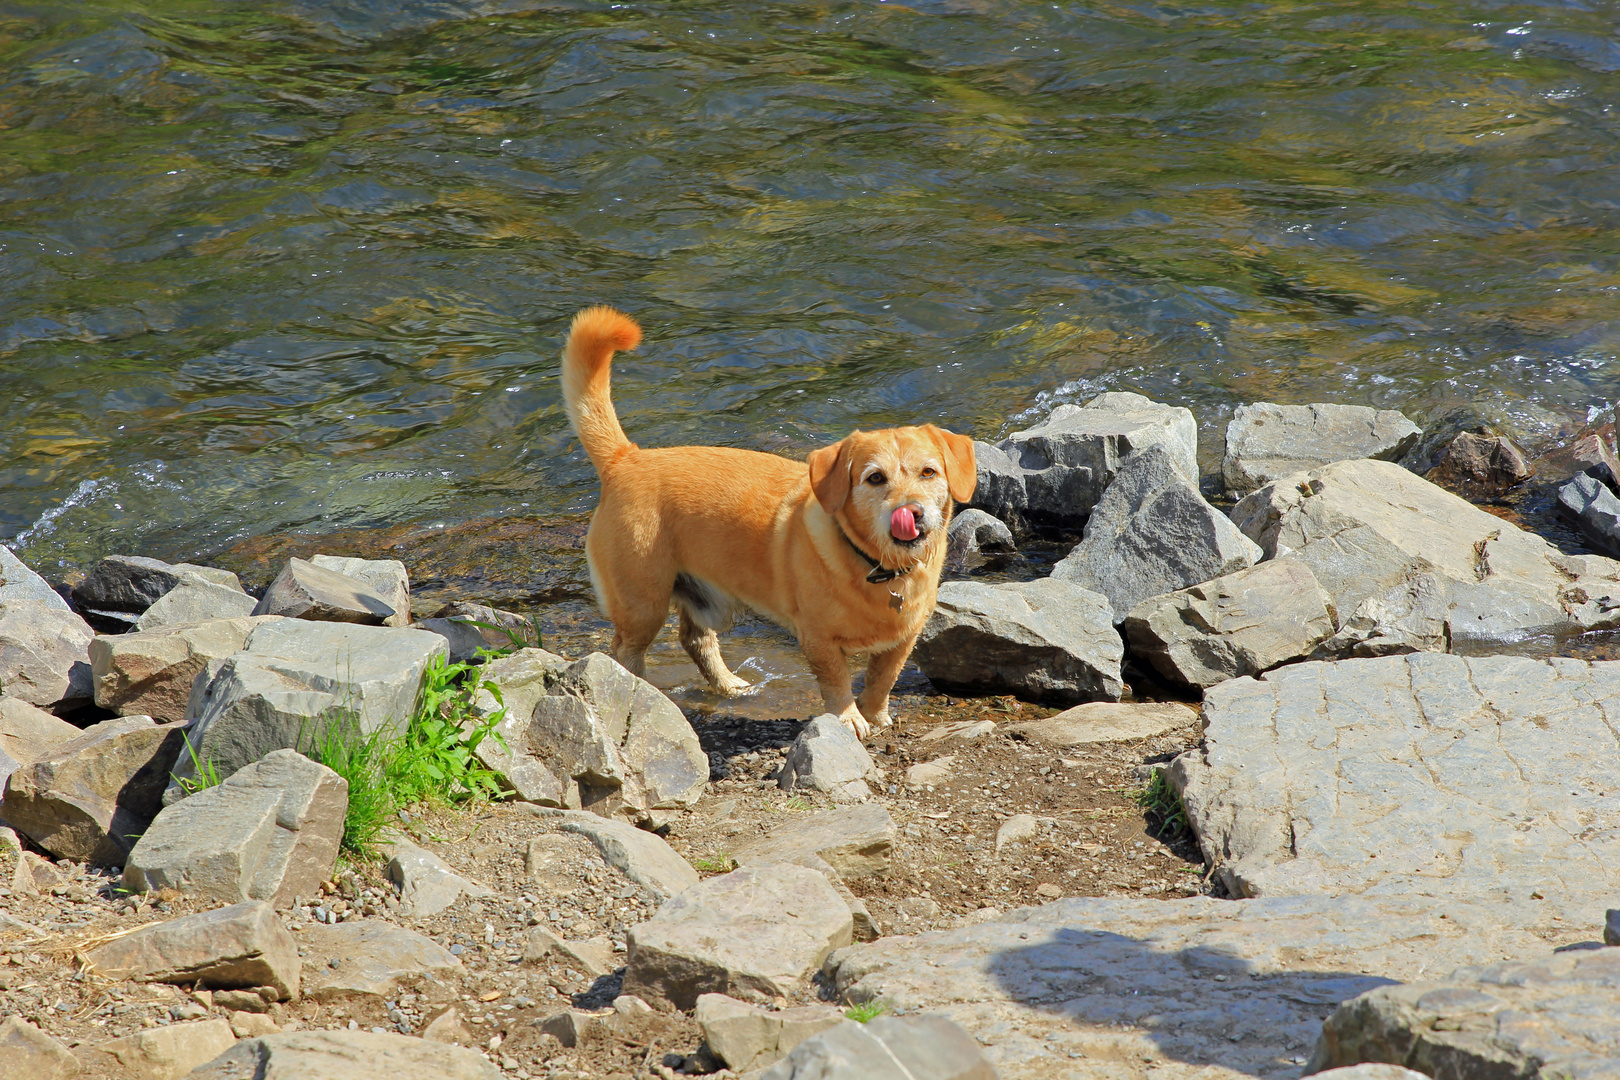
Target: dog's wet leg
630,641
881,671
702,644
830,666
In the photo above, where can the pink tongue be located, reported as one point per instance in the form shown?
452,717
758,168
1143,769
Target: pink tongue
903,523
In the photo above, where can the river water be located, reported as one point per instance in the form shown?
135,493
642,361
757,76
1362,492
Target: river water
303,266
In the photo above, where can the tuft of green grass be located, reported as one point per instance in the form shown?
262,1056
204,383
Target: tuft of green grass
205,774
720,863
866,1011
1162,803
363,761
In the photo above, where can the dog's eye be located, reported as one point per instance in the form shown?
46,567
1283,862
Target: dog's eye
877,478
929,472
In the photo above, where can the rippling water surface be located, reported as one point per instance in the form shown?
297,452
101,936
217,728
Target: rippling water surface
304,265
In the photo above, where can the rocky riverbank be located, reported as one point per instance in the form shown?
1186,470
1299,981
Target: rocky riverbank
1389,833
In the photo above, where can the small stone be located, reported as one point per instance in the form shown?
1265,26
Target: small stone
958,729
746,1037
1104,722
630,1005
929,773
1016,829
971,534
426,883
1048,891
1480,467
447,1028
827,756
594,956
251,1025
639,855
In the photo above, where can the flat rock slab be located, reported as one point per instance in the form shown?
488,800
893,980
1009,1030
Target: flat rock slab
887,1048
1489,779
1045,640
196,600
18,582
133,583
747,1037
346,1055
1558,1016
368,957
1104,722
166,1053
1168,989
386,579
1266,441
240,946
304,590
827,756
852,842
28,732
44,654
639,855
758,933
151,672
27,1052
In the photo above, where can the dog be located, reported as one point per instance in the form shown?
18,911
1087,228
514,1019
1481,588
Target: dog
844,550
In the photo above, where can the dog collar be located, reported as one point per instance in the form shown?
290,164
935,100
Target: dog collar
879,573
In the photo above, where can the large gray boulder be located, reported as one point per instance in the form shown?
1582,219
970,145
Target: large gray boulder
888,1048
195,600
304,590
1239,624
151,672
1588,504
240,946
269,831
1371,531
971,534
45,654
386,579
133,583
1153,533
294,679
18,582
345,1055
1265,441
828,756
1046,640
1492,779
28,733
1055,472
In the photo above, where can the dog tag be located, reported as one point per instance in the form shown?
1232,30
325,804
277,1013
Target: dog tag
896,601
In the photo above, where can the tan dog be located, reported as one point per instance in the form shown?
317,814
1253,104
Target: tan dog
845,551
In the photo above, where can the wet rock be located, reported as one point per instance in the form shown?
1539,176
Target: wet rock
1369,529
1265,441
44,654
1424,774
26,1051
370,958
1239,624
89,797
293,679
133,583
27,733
1590,506
1590,455
151,672
1048,641
1153,533
18,582
1480,467
888,1048
304,590
637,854
457,623
427,885
346,1055
195,600
827,756
1525,423
1104,722
386,579
594,957
973,533
166,1053
755,932
243,945
1554,1016
849,842
1055,472
269,832
748,1037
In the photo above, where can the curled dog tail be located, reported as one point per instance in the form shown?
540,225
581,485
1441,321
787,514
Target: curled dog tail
594,336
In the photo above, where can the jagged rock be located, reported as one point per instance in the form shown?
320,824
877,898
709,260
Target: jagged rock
1152,533
1265,441
293,679
1423,774
243,945
370,958
1047,641
151,672
1370,529
270,832
1480,467
18,582
1591,507
346,1055
193,601
972,533
1240,624
849,842
1589,455
748,1037
594,957
1055,472
26,1051
89,797
456,623
26,734
1105,721
524,678
386,579
427,885
44,654
133,583
758,931
167,1053
573,1027
1524,422
639,855
888,1048
1554,1016
827,756
1611,927
304,590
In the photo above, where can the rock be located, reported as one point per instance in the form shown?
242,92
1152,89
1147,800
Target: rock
457,624
44,654
1015,830
1590,455
385,579
1048,641
268,832
165,1053
1153,533
1590,506
447,1028
1105,721
747,1037
304,590
1422,774
971,534
1554,1016
888,1048
572,1027
243,945
1480,467
345,1055
958,729
151,673
1055,472
89,797
133,583
27,733
1371,1071
849,842
26,1051
546,862
239,1000
827,756
1240,624
932,772
249,1025
293,679
1524,422
1372,530
18,582
195,600
755,931
1611,927
1265,442
369,958
637,854
594,957
630,1005
523,678
426,883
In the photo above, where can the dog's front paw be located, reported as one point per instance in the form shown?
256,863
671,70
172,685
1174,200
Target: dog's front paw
857,723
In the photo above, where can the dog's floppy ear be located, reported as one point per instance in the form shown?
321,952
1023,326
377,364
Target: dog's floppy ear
961,472
829,476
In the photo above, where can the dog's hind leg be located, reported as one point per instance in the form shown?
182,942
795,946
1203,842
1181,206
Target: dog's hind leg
702,644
